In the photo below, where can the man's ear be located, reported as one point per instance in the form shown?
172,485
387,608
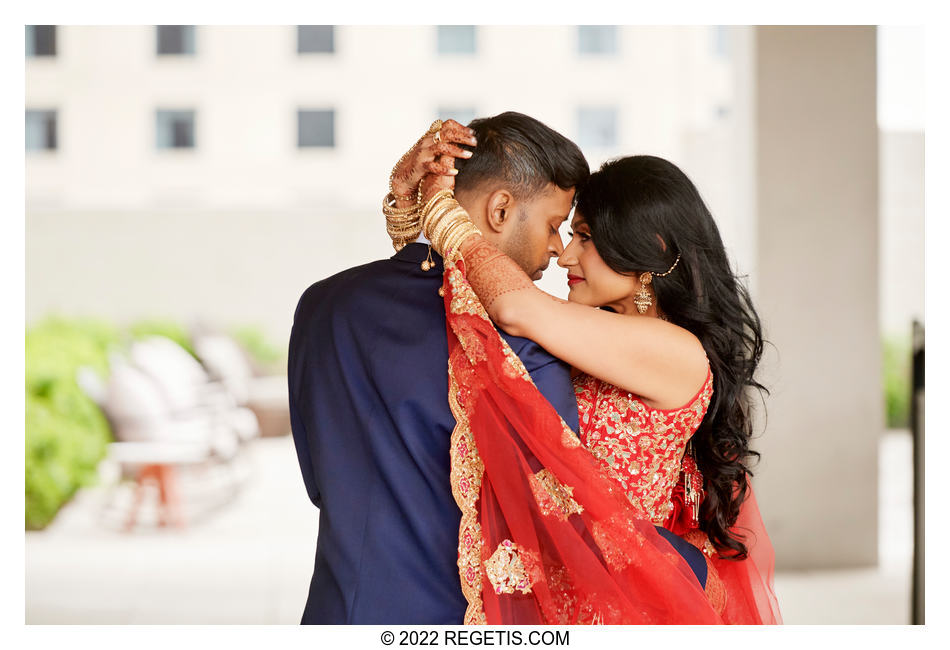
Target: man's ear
499,210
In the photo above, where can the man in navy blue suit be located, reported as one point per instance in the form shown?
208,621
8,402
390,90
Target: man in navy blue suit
368,384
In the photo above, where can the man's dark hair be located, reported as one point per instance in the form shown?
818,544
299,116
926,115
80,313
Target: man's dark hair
523,154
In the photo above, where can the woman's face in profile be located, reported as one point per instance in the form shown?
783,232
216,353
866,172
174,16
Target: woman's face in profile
591,281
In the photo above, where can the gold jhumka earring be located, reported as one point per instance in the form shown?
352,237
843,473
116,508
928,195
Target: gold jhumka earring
643,298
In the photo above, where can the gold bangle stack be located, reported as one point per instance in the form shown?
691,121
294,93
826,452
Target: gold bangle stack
405,224
446,224
402,224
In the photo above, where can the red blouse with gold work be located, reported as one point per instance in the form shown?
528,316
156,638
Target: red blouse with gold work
640,446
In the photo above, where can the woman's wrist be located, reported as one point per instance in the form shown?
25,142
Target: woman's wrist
403,224
493,276
470,243
446,224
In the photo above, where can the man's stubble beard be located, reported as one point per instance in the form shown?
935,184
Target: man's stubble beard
518,248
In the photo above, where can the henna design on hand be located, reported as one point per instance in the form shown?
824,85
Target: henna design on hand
433,183
429,156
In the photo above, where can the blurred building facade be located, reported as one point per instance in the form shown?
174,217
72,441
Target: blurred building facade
256,156
215,172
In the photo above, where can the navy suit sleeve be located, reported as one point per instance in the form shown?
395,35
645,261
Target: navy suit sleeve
296,385
551,375
303,452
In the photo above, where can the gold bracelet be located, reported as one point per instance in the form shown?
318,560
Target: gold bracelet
455,224
403,234
398,228
389,201
403,225
438,196
453,246
433,222
458,227
436,223
435,214
432,201
390,211
446,223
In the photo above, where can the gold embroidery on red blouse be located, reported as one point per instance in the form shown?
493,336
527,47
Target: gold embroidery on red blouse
639,447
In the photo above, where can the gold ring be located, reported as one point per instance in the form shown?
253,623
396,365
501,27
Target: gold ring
438,136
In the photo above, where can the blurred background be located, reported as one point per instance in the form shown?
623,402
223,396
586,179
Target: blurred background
185,184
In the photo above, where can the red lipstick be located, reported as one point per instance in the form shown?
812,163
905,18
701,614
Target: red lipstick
573,279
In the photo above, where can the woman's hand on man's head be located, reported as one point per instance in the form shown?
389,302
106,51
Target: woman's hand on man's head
434,153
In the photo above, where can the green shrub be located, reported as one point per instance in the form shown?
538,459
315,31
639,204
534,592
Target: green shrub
897,368
66,433
157,327
269,357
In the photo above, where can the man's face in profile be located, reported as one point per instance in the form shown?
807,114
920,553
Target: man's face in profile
533,237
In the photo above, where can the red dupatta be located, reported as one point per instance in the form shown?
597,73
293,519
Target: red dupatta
545,535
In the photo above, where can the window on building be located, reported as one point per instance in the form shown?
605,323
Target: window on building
597,127
720,40
314,38
597,39
175,39
175,129
41,40
40,130
315,128
456,39
462,115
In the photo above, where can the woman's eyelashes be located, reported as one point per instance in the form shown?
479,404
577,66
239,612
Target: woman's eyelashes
581,235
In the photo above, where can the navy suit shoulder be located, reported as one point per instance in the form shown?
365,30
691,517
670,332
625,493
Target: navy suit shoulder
338,288
549,371
368,385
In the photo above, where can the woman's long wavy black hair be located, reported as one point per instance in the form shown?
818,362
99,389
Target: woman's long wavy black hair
628,203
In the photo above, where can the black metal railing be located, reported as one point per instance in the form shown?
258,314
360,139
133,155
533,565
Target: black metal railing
917,430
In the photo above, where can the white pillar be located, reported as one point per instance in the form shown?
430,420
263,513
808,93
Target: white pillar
816,181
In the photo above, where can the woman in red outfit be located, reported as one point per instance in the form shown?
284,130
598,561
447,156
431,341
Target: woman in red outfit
558,528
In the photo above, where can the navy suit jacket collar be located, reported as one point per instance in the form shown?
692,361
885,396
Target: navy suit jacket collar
414,253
